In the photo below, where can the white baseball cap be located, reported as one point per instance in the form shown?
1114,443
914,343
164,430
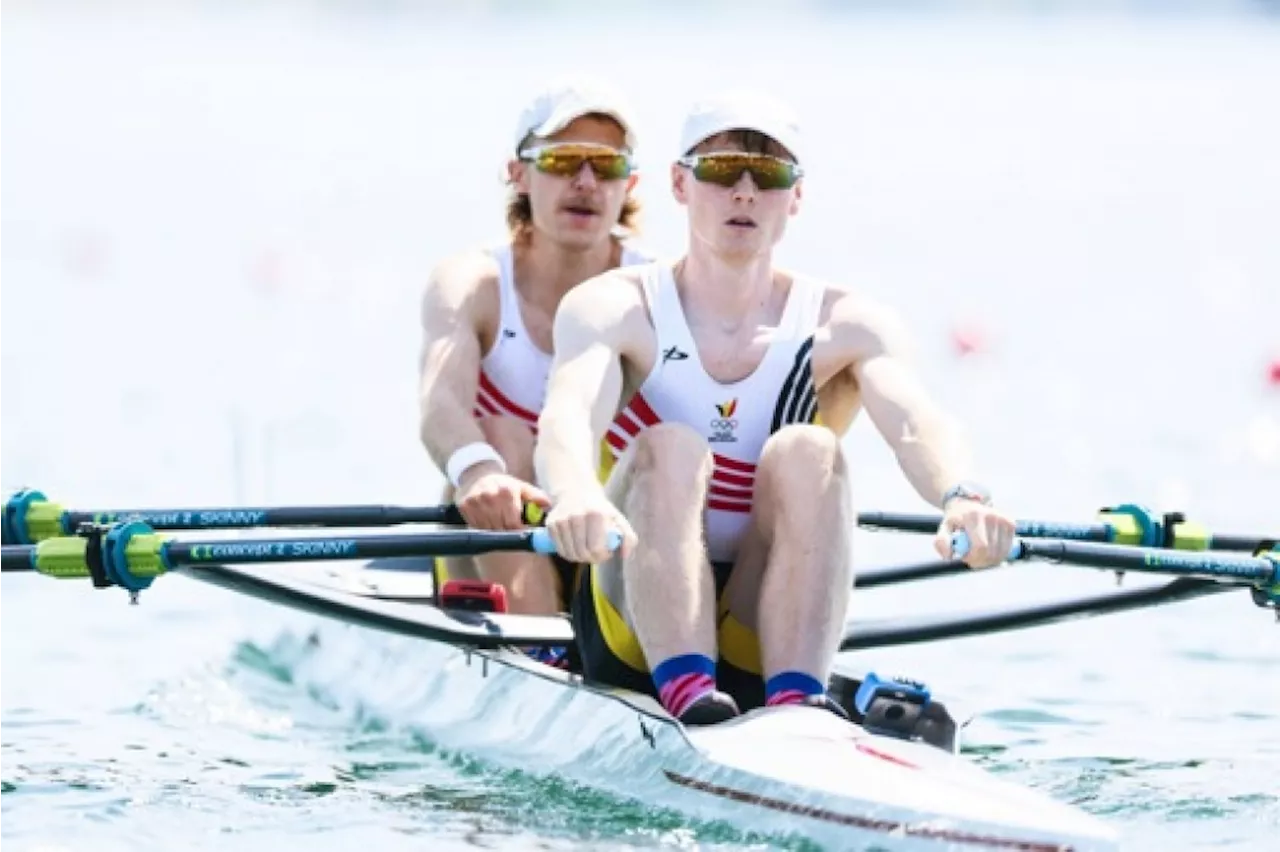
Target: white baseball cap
567,98
741,109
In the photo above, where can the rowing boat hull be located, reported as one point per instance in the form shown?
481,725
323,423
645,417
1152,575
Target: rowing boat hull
790,770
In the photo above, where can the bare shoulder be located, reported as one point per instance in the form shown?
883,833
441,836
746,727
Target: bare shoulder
861,324
461,301
464,284
613,298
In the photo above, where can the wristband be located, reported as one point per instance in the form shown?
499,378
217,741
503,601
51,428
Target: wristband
967,491
469,456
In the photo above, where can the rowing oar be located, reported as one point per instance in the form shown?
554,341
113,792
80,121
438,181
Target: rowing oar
1127,524
132,554
29,517
1261,572
884,633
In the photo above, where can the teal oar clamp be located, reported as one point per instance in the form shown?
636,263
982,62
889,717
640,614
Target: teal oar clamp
25,510
1152,530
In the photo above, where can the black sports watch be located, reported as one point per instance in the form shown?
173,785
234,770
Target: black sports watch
967,491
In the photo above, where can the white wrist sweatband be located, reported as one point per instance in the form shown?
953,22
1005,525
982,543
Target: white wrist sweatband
468,456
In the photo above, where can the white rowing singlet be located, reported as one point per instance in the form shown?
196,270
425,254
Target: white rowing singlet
735,419
513,374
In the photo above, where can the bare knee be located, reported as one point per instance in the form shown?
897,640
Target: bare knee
671,452
802,456
513,439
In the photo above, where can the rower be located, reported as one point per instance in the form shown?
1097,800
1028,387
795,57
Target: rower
732,585
487,312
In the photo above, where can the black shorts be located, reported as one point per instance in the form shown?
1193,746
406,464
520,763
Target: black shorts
603,664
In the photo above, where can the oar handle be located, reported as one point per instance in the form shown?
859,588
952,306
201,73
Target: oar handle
540,541
960,547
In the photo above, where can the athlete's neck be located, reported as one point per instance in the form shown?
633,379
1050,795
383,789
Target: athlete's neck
545,271
726,292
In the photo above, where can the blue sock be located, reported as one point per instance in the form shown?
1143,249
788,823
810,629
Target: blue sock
683,680
546,654
791,688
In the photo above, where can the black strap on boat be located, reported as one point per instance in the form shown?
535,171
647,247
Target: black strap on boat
93,534
1168,531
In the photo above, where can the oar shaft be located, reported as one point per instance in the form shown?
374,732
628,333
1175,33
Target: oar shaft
1218,566
1126,524
29,517
179,553
1239,543
899,521
16,557
21,558
282,516
131,554
1262,570
928,524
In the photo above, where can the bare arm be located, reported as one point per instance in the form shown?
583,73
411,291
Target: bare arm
927,442
453,307
584,388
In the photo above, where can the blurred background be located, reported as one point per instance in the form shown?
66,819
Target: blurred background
218,218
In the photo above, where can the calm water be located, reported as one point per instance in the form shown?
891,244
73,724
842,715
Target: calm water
216,226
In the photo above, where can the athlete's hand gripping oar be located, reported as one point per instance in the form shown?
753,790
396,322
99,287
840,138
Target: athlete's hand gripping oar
495,500
1125,524
587,527
30,517
988,529
1261,572
131,554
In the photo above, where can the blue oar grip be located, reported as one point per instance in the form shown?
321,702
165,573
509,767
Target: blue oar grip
541,541
960,546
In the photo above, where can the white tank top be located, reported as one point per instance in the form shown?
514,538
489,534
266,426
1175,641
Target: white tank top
513,373
735,419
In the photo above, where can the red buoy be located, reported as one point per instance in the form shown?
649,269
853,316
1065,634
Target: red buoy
967,339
